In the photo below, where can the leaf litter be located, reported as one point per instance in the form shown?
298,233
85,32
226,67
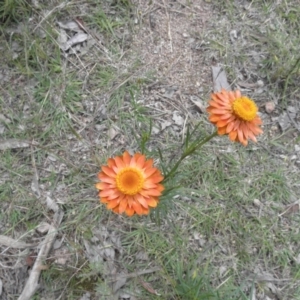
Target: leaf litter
68,40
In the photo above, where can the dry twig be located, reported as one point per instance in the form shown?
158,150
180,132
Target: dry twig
32,283
12,243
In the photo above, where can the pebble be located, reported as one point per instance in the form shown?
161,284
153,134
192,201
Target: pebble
256,202
270,107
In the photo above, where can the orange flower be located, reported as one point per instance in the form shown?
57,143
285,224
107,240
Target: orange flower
235,115
130,184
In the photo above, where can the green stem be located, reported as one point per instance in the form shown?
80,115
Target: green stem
187,153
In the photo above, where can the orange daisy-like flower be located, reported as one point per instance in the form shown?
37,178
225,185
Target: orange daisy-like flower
235,115
130,184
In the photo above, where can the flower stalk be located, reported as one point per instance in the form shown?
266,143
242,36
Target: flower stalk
189,151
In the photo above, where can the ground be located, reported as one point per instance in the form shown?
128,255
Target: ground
82,81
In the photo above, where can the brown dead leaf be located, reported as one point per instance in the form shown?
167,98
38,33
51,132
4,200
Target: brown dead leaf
219,79
51,204
113,132
78,38
147,286
201,105
287,118
80,23
291,209
30,259
121,280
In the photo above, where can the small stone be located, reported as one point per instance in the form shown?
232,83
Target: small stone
260,83
233,34
269,107
256,202
43,228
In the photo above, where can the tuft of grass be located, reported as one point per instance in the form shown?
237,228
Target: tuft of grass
13,10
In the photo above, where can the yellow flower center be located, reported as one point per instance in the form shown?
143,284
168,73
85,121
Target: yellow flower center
245,108
130,181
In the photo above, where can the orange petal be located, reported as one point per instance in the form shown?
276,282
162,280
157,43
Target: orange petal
232,135
104,200
126,158
100,174
218,111
244,142
102,186
223,96
229,127
145,211
228,116
107,179
152,202
221,130
252,137
240,135
123,205
215,104
238,94
116,210
149,172
113,203
214,118
257,121
119,163
134,159
129,211
160,187
108,171
137,207
222,123
110,194
153,192
141,161
139,198
149,185
231,95
237,124
148,164
111,162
